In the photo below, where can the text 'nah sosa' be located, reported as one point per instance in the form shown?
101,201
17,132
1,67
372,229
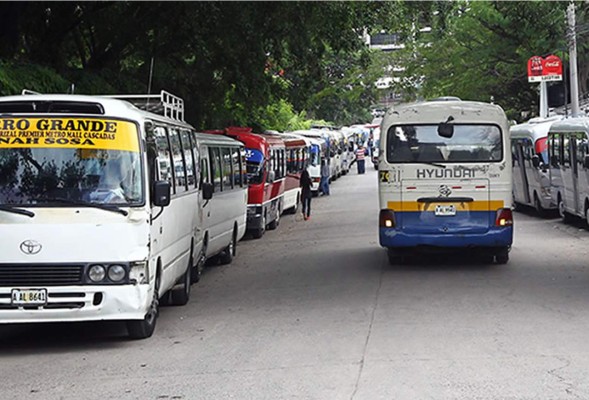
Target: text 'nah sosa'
68,133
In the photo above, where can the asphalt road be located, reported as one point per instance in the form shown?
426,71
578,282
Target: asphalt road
313,311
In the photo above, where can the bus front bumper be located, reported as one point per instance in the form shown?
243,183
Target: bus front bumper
80,303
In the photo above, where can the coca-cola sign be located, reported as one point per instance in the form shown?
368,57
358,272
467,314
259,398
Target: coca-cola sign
544,69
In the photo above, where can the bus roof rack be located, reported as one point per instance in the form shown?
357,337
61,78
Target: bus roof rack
165,103
446,98
27,91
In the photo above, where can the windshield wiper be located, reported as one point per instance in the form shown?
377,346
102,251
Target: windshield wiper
435,164
106,207
15,210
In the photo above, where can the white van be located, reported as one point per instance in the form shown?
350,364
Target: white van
95,222
568,148
531,178
224,215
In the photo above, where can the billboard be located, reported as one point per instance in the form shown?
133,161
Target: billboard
544,69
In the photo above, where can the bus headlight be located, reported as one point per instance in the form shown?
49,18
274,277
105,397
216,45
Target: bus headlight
96,273
116,273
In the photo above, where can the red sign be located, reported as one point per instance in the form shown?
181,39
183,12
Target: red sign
544,69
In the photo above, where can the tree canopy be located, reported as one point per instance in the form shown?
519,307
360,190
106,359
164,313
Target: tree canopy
274,64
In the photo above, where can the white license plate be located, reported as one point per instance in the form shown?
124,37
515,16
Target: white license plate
29,297
445,210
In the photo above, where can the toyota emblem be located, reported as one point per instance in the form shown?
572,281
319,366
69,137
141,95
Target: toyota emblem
30,247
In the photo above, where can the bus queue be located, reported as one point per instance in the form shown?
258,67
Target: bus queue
158,199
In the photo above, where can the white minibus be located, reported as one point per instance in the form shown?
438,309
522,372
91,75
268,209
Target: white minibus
568,149
97,222
531,179
445,179
222,161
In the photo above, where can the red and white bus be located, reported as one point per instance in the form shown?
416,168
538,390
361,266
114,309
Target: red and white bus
265,157
298,149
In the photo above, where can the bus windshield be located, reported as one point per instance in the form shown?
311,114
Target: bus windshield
315,156
423,144
35,176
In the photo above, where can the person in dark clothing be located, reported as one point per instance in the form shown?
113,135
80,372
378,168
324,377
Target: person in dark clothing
305,184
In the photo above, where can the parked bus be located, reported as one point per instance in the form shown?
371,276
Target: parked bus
96,220
266,171
318,152
445,179
531,179
222,165
297,157
568,148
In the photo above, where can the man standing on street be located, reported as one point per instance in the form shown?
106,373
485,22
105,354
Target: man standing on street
324,186
360,156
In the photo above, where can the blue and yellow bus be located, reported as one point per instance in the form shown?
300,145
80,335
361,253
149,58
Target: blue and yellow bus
445,178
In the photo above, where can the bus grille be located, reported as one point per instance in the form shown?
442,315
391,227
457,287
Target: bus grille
27,275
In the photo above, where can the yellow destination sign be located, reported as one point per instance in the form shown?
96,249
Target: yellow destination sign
75,133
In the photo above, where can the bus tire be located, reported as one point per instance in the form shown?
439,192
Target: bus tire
274,224
181,295
538,206
395,257
586,212
502,257
144,328
200,262
226,257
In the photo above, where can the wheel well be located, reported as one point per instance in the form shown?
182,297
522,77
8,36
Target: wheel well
158,274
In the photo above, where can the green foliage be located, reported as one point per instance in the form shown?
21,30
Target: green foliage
480,52
14,77
278,64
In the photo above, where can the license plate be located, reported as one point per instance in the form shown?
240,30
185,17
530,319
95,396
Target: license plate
29,297
445,210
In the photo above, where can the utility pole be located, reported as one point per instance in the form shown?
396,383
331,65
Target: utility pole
572,36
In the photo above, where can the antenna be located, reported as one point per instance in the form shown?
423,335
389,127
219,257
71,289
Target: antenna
150,77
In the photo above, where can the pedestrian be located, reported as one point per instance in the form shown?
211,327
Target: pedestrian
305,184
324,186
360,156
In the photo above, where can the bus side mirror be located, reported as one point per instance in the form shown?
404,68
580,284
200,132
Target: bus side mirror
207,190
161,193
536,161
586,162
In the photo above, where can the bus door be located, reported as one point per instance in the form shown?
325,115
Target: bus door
583,173
520,182
443,206
570,172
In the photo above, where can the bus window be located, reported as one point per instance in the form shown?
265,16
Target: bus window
189,158
227,174
236,167
216,171
204,172
255,166
178,157
566,151
164,156
422,143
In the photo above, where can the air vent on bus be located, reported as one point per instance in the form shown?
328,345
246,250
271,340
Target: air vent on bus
46,106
